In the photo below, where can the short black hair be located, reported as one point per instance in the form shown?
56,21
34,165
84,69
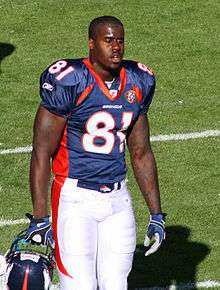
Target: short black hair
102,20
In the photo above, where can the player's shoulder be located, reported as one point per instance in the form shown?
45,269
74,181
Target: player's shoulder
64,72
139,71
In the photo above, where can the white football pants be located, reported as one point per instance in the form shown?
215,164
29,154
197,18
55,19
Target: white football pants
95,236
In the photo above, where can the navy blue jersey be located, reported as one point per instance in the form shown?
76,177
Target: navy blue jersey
97,117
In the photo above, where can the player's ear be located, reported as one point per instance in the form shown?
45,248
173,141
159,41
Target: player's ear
91,44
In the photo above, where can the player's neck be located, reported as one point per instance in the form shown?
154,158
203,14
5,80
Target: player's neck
105,74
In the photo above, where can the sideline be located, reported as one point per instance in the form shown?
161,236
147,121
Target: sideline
170,137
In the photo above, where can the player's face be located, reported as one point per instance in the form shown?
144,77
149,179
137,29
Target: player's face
107,48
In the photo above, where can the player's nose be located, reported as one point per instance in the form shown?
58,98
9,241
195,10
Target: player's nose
115,45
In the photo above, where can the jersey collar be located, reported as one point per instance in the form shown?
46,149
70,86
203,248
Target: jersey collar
101,83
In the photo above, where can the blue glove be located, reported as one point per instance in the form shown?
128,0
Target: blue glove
39,231
155,233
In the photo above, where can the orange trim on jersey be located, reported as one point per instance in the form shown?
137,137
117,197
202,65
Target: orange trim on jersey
138,93
84,94
56,189
101,83
25,283
60,164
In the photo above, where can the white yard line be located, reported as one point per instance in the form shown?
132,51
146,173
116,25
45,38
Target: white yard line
10,222
16,150
170,137
186,136
204,284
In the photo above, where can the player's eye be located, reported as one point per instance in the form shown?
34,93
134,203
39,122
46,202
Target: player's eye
121,41
108,39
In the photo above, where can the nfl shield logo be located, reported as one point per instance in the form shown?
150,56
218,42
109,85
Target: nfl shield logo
130,96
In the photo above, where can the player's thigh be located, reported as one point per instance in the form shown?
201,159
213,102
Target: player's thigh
116,245
77,242
120,228
118,233
74,228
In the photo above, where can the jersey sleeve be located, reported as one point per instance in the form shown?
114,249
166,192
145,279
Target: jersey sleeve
148,88
57,97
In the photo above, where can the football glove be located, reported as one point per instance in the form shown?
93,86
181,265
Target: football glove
155,233
39,231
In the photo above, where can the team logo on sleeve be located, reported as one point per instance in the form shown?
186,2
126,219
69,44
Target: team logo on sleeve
130,96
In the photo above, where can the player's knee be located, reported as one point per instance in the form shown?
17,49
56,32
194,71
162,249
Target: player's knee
78,283
114,275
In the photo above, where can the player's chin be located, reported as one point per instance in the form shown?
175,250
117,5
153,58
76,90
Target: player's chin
115,64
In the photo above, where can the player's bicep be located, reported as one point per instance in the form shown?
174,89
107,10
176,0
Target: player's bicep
138,139
48,130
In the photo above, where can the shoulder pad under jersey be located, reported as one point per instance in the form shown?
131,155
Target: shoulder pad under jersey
139,72
64,72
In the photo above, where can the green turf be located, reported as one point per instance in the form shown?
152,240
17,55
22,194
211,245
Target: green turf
180,40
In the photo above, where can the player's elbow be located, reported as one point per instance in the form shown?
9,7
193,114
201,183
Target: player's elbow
137,154
142,156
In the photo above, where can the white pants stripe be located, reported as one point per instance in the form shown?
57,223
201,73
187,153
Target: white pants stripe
95,237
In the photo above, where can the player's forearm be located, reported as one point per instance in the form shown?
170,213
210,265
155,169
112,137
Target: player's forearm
145,171
39,183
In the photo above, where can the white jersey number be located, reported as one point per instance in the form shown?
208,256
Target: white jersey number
101,124
58,66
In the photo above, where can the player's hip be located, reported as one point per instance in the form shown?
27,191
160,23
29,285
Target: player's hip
75,194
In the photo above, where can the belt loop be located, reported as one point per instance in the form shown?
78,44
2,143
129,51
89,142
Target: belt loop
117,185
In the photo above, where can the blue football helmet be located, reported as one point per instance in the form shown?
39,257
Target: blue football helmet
27,269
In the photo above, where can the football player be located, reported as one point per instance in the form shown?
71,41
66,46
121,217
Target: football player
90,108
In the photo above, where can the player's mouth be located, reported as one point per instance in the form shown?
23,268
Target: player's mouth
116,58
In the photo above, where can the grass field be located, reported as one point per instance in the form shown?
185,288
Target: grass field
179,39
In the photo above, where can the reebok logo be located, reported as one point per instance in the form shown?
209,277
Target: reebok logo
47,86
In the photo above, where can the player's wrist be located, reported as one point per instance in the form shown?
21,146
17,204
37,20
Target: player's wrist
36,220
160,216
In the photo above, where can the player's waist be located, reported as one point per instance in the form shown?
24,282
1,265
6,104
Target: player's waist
101,187
104,187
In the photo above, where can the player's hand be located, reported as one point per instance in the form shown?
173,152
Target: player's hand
155,233
39,231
